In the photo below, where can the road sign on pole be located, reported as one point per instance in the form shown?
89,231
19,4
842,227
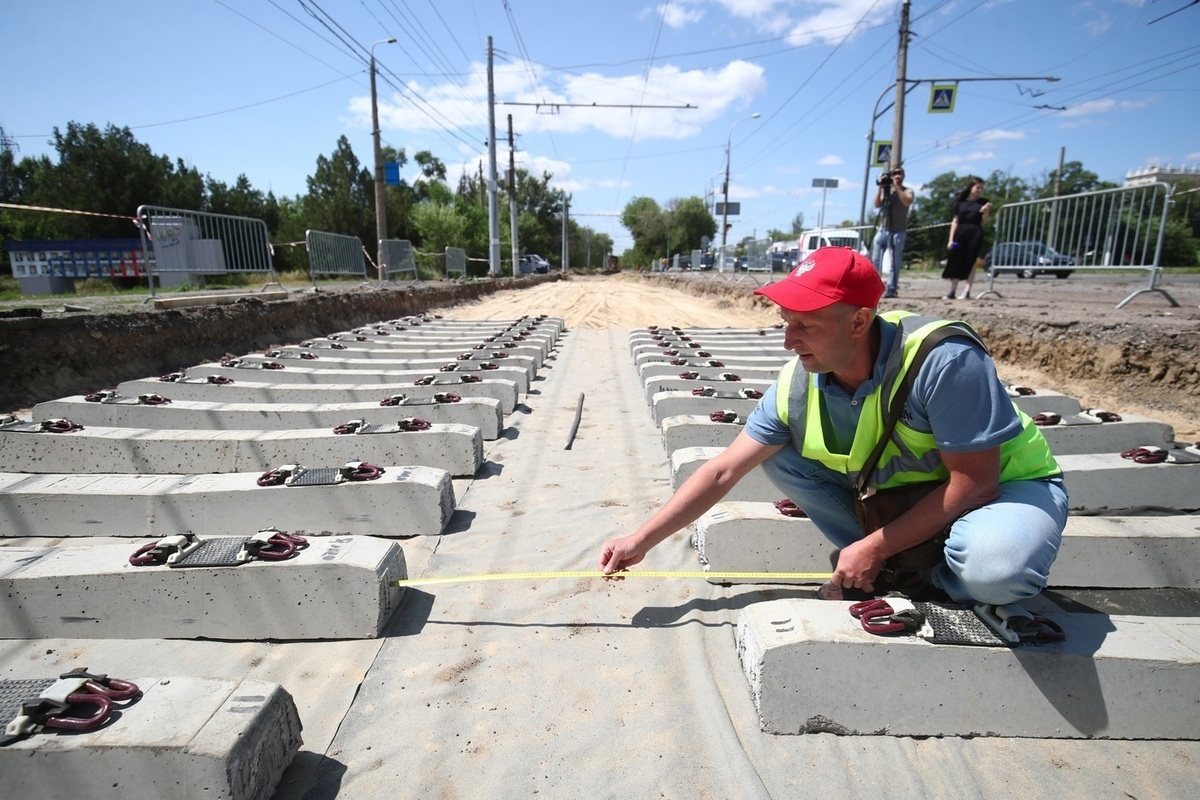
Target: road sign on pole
941,98
883,154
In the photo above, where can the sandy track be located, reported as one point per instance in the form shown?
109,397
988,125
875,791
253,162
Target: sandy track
602,303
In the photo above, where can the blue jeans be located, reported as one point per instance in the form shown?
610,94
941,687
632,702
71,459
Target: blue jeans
999,553
883,241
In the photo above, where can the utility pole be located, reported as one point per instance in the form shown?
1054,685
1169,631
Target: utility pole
566,245
901,75
512,198
493,200
1062,154
380,195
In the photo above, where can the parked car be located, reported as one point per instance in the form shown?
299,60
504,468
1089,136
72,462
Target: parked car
1027,260
740,263
534,263
707,260
829,237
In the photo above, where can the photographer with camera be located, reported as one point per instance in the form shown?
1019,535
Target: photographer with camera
893,199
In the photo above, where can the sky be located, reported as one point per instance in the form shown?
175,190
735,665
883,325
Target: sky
622,98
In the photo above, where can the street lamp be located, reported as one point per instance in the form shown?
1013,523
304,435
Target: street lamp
725,189
380,199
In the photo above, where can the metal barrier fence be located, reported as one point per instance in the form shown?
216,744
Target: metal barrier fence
456,261
334,254
398,259
1112,229
188,244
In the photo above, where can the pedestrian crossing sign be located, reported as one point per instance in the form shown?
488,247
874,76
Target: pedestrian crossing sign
883,154
941,98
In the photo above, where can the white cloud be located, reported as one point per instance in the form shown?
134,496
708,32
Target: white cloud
806,22
1101,107
964,161
830,161
997,135
710,93
1195,156
676,14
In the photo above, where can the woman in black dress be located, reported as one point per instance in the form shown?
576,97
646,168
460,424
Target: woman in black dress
971,213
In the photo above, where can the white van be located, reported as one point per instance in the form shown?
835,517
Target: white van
830,237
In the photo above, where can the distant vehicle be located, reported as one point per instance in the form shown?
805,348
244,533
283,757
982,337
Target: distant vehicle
534,263
740,263
681,260
1027,260
810,241
759,262
784,260
707,260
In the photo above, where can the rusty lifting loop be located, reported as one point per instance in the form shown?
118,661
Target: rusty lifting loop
724,415
488,365
189,550
289,354
749,394
1103,416
689,376
237,363
60,426
1146,454
879,617
448,367
788,508
729,376
678,362
704,391
172,377
692,345
1020,391
29,706
405,425
393,400
703,353
424,380
447,397
101,396
1047,418
667,352
717,364
297,475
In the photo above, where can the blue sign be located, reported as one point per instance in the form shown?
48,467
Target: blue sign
391,173
941,98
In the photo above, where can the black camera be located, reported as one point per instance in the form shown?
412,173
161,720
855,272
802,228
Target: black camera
885,180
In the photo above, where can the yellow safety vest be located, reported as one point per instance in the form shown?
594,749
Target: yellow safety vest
911,456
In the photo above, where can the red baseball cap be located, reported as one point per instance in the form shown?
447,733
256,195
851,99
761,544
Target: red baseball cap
830,275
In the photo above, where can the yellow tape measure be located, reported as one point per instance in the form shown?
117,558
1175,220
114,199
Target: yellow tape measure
534,576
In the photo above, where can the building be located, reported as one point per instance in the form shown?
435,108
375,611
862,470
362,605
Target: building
1160,174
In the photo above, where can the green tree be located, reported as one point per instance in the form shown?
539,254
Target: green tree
1074,180
690,221
647,224
798,223
341,196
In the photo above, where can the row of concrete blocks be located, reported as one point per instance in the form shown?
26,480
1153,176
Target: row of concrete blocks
1114,677
189,736
187,474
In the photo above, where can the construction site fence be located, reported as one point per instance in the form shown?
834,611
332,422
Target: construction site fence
334,254
1110,229
188,245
